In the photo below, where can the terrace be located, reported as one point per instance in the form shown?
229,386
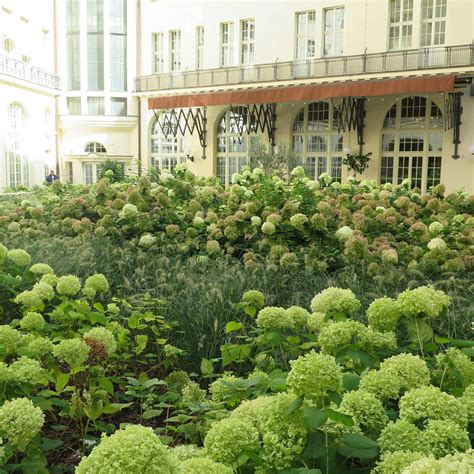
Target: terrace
343,66
19,70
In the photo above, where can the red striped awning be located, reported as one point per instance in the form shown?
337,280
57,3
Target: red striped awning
282,94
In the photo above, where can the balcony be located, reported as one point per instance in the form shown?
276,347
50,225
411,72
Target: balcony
342,66
18,70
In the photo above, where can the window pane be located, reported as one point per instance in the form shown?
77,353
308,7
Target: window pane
118,106
386,170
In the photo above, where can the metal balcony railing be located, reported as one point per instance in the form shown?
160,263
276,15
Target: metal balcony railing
388,62
14,68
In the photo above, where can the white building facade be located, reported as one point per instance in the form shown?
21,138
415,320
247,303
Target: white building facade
321,77
161,82
28,94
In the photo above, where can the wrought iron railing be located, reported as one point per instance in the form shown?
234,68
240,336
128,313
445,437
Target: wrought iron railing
14,68
388,62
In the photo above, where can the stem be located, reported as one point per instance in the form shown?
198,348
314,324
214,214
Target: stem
420,342
326,443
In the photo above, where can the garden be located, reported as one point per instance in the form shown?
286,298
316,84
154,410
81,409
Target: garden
167,324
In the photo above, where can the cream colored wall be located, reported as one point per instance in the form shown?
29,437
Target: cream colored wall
365,29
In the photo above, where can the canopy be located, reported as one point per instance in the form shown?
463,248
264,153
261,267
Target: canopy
281,94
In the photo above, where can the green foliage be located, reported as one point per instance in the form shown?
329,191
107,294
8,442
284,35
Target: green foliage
112,170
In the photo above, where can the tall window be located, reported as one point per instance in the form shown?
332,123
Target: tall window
412,143
95,106
95,45
199,47
306,35
73,48
166,149
400,28
316,140
118,45
247,41
74,105
118,106
333,31
17,163
232,142
433,22
175,50
227,44
91,172
158,58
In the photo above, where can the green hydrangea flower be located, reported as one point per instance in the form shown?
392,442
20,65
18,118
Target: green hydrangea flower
335,300
423,301
98,283
38,347
316,322
177,379
19,257
27,370
45,291
10,339
468,401
6,375
104,336
129,211
344,233
68,285
298,221
430,403
335,336
32,322
254,298
73,352
146,241
221,390
384,384
458,463
229,438
21,421
446,437
273,318
298,315
31,299
50,279
41,269
313,375
383,314
395,462
204,466
366,410
402,435
183,452
132,450
3,252
411,370
192,393
453,369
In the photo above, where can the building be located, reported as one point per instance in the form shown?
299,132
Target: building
325,77
97,62
171,81
29,90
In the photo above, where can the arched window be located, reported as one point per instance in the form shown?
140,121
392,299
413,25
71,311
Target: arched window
232,142
316,140
166,149
95,147
16,160
412,143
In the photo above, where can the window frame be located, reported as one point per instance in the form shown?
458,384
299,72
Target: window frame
249,42
158,57
306,35
401,24
200,31
405,155
227,46
333,32
434,21
175,51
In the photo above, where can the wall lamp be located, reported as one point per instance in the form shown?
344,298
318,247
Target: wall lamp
348,150
188,154
471,150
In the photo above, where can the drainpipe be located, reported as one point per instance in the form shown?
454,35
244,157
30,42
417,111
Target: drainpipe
56,96
138,48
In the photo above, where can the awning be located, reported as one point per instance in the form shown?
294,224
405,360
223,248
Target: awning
269,95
